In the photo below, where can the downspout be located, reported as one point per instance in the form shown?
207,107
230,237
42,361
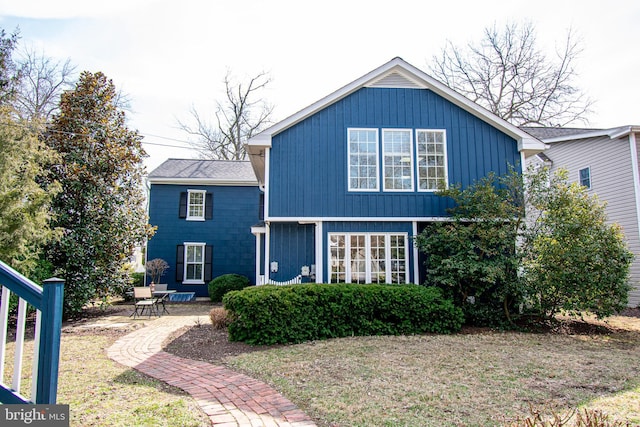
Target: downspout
633,147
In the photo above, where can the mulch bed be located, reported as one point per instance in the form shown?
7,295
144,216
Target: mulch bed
202,342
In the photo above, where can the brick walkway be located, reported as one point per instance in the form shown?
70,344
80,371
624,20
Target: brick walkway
229,399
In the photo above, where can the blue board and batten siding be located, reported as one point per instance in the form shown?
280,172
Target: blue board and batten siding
308,177
235,211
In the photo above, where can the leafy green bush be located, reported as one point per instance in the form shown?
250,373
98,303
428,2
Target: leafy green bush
225,283
296,313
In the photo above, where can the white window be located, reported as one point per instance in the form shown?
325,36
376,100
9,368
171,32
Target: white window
432,159
585,177
194,263
368,258
196,205
363,159
397,159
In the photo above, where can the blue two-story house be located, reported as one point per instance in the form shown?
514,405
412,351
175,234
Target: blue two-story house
350,179
203,211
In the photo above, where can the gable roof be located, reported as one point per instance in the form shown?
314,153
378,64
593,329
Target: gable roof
554,134
192,171
396,73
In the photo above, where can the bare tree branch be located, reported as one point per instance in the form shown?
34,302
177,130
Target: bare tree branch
240,116
42,82
508,75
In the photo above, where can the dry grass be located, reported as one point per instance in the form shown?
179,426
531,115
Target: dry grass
219,318
479,379
101,392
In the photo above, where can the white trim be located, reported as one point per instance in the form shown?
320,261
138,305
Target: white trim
446,160
202,217
393,153
267,173
588,169
612,133
633,146
377,133
267,252
358,219
403,68
204,181
367,252
416,266
319,253
257,259
186,281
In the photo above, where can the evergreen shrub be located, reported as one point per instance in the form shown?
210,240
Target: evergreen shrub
225,283
295,313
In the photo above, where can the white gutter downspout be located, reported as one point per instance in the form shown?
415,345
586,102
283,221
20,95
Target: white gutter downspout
633,146
416,267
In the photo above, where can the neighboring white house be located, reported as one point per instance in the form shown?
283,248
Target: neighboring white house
606,162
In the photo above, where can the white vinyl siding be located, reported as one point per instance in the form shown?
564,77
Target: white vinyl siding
609,161
363,159
397,159
368,258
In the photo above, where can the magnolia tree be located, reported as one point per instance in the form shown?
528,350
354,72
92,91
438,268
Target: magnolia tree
496,263
101,209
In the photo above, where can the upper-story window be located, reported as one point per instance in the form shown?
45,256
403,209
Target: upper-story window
397,159
432,159
585,177
363,159
195,204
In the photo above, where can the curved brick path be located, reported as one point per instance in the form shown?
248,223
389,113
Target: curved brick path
229,399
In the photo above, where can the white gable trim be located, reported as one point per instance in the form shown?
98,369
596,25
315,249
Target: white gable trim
399,70
612,133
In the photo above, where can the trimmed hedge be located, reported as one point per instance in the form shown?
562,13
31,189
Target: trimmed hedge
296,313
225,283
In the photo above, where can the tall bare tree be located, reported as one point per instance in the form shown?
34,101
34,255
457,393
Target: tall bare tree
42,81
240,116
507,74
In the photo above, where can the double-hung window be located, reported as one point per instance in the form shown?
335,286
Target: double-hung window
194,257
432,159
363,159
368,258
397,158
585,177
196,205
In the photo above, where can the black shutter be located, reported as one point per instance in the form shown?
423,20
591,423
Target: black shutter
183,206
208,263
180,263
208,206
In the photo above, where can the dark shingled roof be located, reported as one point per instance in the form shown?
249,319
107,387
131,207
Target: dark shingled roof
214,170
554,132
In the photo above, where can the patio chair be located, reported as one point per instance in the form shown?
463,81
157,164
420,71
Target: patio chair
161,298
143,300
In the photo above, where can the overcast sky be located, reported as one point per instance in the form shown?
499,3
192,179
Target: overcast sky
168,55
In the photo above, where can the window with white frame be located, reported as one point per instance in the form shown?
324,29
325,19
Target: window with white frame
397,159
585,177
368,258
196,204
363,159
194,258
432,159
